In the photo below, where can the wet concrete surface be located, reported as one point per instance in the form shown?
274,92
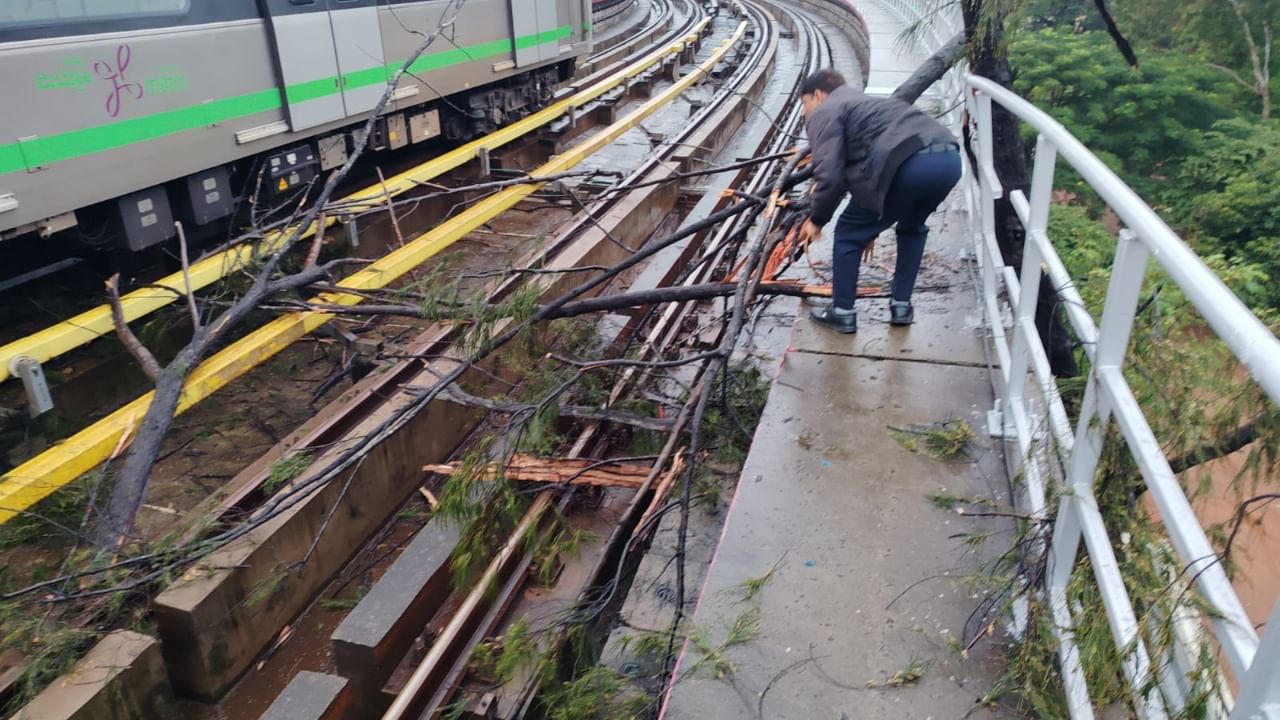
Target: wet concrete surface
949,319
311,696
894,55
872,583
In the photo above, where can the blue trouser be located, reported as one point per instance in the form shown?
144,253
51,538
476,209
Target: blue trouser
918,188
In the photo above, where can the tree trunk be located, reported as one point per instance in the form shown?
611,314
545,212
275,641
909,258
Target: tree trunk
988,57
931,70
1122,44
113,528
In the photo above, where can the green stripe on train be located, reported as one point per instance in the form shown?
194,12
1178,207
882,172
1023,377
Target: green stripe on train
543,38
18,156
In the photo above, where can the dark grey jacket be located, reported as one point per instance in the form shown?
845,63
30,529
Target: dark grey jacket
858,144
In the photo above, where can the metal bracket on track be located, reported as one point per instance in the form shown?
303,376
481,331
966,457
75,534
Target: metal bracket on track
29,370
996,427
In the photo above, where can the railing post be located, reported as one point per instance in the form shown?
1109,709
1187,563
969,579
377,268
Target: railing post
1024,323
1259,697
987,198
988,249
1113,342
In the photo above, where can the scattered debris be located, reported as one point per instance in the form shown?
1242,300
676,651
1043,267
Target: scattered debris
569,471
945,440
660,494
427,495
908,674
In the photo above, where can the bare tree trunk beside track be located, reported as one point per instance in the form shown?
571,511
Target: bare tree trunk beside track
988,57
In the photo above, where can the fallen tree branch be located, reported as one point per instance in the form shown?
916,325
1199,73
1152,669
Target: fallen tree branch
1230,443
569,471
574,411
130,341
603,303
931,70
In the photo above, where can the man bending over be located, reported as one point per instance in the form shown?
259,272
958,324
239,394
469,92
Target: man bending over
897,162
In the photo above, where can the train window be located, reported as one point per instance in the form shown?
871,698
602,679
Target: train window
22,13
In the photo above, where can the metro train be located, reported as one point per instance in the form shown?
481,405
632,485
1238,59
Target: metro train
118,117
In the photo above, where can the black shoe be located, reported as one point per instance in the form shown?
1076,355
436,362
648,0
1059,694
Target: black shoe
901,313
839,322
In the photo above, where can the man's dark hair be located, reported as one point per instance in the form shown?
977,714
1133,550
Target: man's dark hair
824,80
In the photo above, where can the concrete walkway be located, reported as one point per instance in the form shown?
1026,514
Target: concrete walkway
869,581
840,588
892,61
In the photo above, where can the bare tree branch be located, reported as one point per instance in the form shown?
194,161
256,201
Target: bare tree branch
931,70
1233,75
186,277
1260,61
130,341
574,411
1113,30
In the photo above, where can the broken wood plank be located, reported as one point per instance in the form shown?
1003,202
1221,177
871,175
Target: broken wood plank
12,665
645,527
596,473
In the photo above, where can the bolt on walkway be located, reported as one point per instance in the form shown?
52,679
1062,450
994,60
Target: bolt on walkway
835,542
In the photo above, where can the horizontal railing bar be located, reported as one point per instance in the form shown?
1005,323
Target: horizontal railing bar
1078,315
1234,630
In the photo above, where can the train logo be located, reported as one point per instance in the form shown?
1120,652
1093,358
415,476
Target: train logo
115,74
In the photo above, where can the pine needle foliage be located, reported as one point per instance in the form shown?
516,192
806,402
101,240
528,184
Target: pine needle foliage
601,693
285,470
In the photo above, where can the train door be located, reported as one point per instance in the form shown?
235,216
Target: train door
357,37
330,57
535,30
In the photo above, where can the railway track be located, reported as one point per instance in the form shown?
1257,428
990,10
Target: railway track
382,409
427,691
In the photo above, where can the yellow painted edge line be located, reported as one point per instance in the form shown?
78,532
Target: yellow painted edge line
35,479
82,329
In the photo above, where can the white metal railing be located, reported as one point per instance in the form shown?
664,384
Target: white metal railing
1108,398
1024,410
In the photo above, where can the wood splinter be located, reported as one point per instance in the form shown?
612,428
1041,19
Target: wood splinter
570,471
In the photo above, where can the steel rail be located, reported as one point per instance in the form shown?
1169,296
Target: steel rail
27,484
89,325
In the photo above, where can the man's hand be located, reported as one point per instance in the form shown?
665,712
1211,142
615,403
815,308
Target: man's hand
869,251
810,231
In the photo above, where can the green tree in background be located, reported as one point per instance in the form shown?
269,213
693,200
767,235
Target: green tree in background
1143,121
1177,132
1233,37
1228,199
1236,38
